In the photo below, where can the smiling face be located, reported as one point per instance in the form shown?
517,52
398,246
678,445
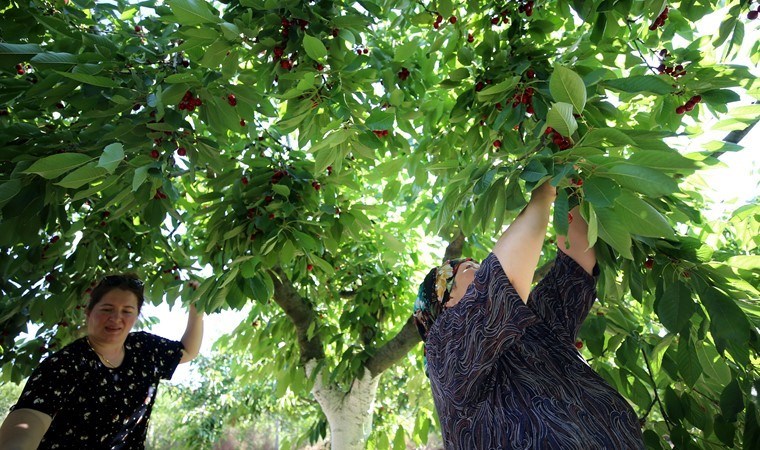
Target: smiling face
465,274
112,318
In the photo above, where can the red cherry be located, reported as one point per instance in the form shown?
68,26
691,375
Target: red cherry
154,154
182,151
696,99
20,71
495,20
309,267
578,182
579,345
752,15
286,64
244,180
232,100
242,122
470,37
549,130
453,19
138,28
681,109
649,263
497,143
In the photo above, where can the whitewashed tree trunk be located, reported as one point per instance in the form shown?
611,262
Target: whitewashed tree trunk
349,414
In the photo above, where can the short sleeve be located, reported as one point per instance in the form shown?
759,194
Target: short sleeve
466,341
49,386
160,353
564,296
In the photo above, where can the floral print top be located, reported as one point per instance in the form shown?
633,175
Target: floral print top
96,407
506,374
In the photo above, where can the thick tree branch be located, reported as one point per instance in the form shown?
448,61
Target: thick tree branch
394,350
300,313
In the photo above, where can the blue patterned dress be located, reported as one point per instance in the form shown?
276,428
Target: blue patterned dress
96,407
507,375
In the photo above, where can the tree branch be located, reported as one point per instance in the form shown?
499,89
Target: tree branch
394,350
300,313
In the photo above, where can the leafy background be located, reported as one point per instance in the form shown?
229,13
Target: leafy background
308,152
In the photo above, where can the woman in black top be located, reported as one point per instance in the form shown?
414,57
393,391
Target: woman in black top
98,391
502,362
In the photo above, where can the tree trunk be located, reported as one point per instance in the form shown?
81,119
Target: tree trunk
349,414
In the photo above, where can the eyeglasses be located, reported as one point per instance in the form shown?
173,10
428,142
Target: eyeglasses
119,280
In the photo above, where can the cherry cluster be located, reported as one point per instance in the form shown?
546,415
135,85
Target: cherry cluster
524,97
232,100
502,17
753,13
660,20
526,8
439,19
380,133
689,105
189,102
403,74
315,184
20,69
286,24
361,50
557,139
674,71
278,175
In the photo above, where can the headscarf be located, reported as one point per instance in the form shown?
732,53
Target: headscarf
433,294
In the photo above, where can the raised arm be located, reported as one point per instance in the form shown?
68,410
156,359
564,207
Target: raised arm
575,244
519,247
23,429
193,335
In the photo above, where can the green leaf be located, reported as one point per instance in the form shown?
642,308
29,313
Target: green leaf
566,86
561,211
498,88
90,79
649,182
405,51
54,59
676,307
640,218
112,156
19,49
534,171
82,176
641,84
560,118
589,213
728,323
612,231
731,401
380,120
8,190
192,12
56,165
314,47
141,174
600,191
688,363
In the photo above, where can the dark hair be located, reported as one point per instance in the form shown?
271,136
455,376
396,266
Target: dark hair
126,282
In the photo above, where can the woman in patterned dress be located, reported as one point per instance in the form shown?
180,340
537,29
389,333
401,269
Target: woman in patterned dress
98,391
502,362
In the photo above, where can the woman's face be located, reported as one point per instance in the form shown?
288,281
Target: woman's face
112,318
462,280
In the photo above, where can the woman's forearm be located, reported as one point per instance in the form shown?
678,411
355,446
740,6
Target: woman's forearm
193,336
519,247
